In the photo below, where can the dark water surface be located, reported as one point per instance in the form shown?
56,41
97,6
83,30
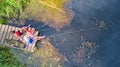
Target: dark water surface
109,39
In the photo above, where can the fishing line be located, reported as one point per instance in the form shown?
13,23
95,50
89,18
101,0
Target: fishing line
41,26
72,32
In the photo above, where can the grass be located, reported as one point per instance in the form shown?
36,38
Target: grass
11,9
45,56
7,59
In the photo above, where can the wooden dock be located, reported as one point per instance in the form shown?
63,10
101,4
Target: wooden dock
5,33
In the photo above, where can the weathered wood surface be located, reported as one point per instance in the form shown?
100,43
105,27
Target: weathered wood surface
5,33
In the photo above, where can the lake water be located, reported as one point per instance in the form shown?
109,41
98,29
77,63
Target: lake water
84,24
107,39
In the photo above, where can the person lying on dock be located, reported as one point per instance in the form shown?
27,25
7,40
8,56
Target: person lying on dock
17,34
30,31
28,37
22,31
30,41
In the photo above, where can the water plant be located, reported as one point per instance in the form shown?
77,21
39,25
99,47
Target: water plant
54,13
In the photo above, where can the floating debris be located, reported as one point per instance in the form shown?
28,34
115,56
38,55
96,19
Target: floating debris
101,24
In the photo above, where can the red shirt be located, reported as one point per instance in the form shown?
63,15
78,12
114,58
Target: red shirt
18,33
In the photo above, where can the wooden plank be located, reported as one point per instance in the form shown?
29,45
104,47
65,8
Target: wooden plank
17,28
1,32
11,35
7,37
4,34
7,33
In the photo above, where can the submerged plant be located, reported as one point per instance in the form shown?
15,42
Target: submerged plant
49,55
84,54
45,56
54,13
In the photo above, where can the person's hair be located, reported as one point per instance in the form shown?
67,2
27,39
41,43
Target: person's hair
12,32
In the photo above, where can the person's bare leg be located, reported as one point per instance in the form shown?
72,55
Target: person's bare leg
29,47
41,37
32,47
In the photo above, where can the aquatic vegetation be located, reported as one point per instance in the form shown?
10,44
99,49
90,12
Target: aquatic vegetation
54,13
84,53
45,56
49,55
11,9
100,23
7,59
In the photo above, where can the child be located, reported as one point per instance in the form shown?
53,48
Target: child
31,41
17,34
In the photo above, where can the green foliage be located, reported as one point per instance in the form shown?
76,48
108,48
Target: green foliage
11,9
1,21
7,59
